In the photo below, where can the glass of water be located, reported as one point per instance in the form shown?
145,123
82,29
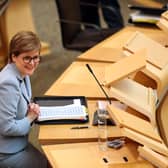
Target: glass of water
102,129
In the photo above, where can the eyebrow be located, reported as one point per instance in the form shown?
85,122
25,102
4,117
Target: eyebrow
31,56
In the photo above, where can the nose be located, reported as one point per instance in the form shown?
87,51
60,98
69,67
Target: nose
31,62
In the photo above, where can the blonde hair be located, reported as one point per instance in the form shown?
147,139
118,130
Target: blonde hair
23,41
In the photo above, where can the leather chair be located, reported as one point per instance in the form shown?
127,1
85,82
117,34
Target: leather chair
74,34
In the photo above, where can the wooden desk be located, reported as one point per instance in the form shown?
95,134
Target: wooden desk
54,134
110,50
77,80
88,155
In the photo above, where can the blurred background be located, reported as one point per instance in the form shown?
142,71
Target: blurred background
45,17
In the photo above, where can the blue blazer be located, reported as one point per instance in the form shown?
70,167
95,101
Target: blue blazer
15,94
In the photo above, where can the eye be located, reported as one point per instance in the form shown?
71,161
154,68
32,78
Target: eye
36,57
27,58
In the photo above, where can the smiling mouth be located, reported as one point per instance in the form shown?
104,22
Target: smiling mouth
29,68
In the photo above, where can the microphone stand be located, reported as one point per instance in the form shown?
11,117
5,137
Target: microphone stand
91,71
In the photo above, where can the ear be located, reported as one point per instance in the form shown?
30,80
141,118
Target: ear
13,57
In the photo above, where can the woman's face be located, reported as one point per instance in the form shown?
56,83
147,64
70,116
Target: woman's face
27,62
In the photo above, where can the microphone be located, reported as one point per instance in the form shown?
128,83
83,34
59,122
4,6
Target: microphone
91,71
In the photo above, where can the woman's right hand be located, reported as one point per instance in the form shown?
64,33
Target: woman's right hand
33,111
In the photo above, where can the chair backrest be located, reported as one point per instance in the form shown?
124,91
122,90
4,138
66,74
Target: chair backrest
75,34
69,10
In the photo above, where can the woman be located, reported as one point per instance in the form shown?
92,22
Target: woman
17,113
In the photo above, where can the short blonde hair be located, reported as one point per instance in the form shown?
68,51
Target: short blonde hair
23,41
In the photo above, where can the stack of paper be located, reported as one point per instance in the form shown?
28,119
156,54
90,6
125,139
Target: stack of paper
72,111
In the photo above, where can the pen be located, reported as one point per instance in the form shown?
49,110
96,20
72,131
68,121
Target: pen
81,127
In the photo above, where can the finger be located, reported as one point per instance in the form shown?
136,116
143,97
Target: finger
31,105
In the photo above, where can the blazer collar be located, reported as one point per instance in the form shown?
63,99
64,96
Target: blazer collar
15,70
24,83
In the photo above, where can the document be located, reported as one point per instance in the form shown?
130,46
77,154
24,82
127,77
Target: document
67,112
139,17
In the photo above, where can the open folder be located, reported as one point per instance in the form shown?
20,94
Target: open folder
62,109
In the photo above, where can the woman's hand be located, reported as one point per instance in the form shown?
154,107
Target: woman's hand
33,111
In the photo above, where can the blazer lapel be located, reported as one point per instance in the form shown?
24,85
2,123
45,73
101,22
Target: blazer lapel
28,86
24,91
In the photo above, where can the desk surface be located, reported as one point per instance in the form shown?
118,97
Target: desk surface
110,50
77,80
88,155
64,133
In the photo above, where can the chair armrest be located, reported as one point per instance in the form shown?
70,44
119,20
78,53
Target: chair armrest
78,23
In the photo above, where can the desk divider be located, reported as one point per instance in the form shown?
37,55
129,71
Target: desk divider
156,53
152,156
157,65
163,22
128,91
125,67
124,119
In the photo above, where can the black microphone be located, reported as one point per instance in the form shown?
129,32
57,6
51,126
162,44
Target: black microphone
91,71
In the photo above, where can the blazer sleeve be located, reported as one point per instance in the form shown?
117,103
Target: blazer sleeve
9,98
